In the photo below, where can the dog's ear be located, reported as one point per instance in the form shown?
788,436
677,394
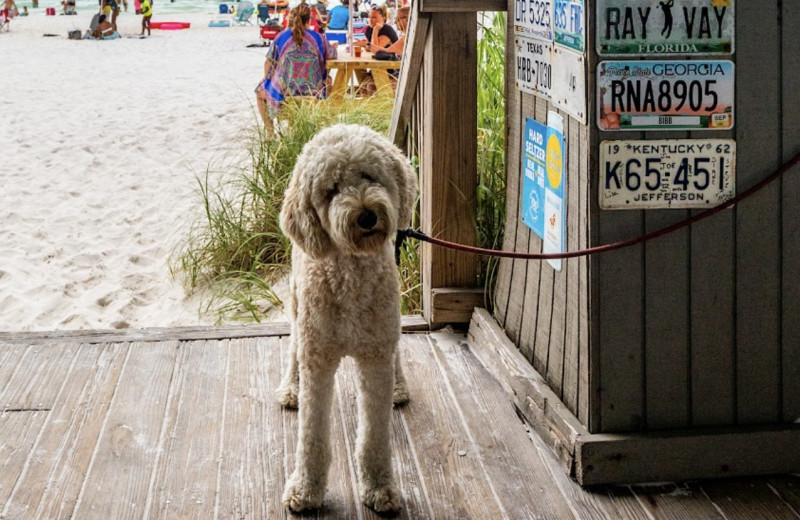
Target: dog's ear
406,180
300,222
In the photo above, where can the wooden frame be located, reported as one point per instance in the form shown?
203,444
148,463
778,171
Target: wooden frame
437,94
461,6
629,458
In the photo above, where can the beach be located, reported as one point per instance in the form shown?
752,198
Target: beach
101,143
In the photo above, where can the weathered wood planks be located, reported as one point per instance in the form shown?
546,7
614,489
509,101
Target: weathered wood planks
190,429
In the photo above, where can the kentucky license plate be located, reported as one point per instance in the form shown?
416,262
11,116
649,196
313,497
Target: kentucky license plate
665,95
670,173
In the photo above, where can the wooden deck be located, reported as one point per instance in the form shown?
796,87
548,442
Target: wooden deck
183,425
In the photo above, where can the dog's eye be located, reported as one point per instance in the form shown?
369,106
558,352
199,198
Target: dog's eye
367,177
333,191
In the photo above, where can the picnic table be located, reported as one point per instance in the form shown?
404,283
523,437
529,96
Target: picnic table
346,65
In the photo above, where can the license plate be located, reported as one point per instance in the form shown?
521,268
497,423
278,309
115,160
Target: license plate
568,24
534,18
664,28
670,173
665,95
534,65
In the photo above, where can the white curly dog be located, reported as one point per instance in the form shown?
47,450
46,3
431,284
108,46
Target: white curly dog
350,190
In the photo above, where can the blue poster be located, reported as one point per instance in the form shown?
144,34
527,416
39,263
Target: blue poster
533,168
543,180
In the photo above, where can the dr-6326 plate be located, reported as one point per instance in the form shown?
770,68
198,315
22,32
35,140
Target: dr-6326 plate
665,95
670,173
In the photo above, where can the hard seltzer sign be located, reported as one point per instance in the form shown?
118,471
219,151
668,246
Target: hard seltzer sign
543,167
665,27
533,175
555,169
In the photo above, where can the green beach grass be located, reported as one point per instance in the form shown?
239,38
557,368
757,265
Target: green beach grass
236,254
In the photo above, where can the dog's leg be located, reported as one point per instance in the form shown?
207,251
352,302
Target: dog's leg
400,396
305,489
373,452
289,387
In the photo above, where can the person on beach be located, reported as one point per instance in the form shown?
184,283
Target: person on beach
295,66
10,8
147,13
402,25
379,34
339,16
114,5
105,30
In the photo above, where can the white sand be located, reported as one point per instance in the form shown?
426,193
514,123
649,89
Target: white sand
100,142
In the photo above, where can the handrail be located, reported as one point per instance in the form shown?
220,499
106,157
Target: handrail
409,73
418,24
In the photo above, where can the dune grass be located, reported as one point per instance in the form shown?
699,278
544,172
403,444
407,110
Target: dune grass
236,254
491,191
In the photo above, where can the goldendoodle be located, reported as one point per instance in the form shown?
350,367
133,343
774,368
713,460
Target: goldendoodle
350,191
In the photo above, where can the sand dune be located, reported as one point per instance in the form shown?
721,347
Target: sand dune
100,143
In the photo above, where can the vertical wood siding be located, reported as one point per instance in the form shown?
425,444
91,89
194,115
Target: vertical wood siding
790,208
543,311
697,328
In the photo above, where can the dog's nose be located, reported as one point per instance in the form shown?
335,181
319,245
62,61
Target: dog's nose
367,219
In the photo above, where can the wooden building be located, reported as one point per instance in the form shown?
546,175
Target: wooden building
678,357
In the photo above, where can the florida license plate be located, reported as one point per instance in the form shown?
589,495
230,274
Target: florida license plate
670,173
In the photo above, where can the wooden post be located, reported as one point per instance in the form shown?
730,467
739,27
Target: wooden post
449,163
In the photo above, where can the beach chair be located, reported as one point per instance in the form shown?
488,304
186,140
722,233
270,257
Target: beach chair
264,17
246,11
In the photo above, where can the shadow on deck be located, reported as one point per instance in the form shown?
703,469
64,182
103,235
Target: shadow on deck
181,423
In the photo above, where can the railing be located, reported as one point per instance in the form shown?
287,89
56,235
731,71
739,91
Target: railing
435,118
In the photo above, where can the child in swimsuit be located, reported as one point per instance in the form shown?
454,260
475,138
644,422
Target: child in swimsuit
147,13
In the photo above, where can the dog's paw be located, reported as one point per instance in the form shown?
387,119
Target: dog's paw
400,396
300,496
287,395
382,499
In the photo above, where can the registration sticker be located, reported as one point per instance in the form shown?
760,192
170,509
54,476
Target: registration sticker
665,95
670,173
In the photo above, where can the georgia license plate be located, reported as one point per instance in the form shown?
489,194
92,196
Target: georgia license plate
669,173
665,95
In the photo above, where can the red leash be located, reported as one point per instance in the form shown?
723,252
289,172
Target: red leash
402,234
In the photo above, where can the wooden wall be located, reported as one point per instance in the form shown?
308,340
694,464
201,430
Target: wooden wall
697,328
544,312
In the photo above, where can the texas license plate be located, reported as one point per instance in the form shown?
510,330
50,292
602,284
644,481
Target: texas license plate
669,173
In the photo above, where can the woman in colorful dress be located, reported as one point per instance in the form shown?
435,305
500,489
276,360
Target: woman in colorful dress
295,66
